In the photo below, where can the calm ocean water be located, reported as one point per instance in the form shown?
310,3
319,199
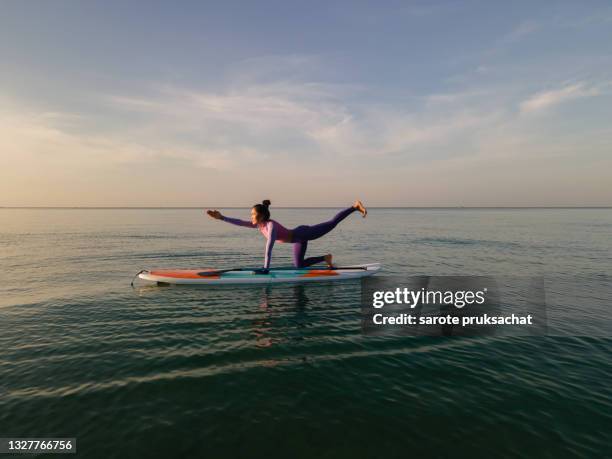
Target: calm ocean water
285,371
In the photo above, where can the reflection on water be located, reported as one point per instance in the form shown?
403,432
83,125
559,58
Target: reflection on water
295,297
261,325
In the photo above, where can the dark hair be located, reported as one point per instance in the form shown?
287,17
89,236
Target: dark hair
263,210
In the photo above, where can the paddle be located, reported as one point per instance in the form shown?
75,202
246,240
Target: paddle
284,268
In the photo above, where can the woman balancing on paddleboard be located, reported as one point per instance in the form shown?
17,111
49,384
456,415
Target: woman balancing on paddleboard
299,237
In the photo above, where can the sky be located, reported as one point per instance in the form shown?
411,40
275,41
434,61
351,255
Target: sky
193,103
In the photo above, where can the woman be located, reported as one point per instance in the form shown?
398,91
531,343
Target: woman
299,237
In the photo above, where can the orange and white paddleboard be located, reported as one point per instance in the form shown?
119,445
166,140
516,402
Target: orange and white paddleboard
210,276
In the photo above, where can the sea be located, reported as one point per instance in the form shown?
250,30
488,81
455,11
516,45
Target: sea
287,370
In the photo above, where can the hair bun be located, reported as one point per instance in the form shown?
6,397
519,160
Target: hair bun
266,202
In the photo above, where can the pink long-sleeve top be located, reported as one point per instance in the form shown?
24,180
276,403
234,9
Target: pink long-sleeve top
272,231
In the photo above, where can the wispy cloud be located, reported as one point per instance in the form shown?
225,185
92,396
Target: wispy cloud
550,98
308,118
260,131
463,96
39,140
255,124
522,30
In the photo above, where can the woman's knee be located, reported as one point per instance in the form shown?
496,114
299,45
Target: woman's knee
298,261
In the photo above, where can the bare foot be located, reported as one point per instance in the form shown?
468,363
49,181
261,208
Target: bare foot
328,260
361,208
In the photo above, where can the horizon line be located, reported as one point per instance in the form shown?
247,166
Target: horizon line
295,207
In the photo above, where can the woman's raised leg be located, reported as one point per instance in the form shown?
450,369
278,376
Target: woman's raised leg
316,231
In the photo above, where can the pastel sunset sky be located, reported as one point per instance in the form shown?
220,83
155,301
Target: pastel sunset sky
151,103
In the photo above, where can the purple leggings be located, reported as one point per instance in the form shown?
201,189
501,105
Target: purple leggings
304,233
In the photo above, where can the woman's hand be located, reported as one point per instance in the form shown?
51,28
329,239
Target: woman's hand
214,214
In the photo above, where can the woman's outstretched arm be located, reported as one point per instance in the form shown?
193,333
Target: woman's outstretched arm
234,221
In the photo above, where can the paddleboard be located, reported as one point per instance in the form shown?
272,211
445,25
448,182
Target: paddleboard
209,276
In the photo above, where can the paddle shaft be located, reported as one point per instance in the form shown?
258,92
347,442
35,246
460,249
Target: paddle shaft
288,268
